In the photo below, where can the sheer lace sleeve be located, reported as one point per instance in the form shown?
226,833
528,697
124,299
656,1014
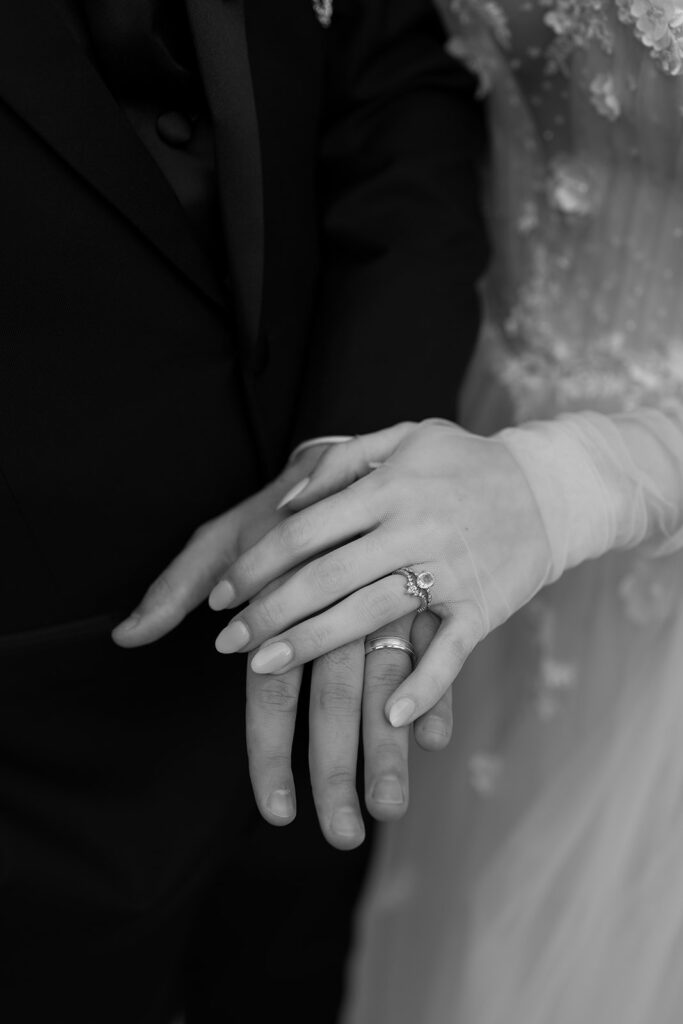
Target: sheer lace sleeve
583,306
605,482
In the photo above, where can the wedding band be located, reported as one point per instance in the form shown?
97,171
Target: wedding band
313,442
418,584
390,643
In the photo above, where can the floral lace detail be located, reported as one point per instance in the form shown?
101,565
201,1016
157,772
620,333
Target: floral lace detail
562,373
659,26
577,24
541,365
488,11
481,33
604,96
573,187
485,769
651,591
557,677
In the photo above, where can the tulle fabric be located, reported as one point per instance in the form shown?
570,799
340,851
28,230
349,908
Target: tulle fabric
538,875
559,896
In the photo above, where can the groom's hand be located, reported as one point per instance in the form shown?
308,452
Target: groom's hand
189,578
348,692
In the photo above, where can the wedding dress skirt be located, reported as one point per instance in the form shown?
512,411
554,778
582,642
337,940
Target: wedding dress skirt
538,875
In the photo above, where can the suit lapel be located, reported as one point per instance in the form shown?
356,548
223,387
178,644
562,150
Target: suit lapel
50,83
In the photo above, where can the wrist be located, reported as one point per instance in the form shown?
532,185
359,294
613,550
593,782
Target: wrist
588,502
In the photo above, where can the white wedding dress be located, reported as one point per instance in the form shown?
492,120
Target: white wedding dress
538,875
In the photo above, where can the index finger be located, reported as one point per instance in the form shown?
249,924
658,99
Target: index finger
334,726
270,721
302,536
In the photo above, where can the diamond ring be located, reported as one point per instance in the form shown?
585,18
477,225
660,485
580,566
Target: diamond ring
418,584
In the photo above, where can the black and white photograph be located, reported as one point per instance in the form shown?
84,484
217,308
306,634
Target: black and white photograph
341,511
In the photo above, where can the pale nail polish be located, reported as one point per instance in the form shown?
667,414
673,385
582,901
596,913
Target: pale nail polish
293,493
401,712
280,803
222,596
272,658
387,790
233,638
345,822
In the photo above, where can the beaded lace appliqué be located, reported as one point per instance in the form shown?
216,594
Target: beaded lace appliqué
549,361
577,24
481,34
659,26
323,12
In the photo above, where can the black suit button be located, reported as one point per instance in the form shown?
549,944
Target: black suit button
174,128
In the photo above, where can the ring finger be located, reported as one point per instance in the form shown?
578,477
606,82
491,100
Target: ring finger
385,747
356,616
334,724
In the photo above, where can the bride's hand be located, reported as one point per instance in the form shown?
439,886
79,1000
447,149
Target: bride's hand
441,501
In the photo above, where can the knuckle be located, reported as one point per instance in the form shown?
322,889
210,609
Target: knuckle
205,530
317,637
340,659
242,573
295,533
267,761
277,695
340,776
389,674
267,616
379,605
160,592
328,575
432,427
388,754
339,697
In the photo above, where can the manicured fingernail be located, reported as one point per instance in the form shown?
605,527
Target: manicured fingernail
401,712
233,638
293,493
222,596
272,657
435,726
387,790
130,623
280,803
345,822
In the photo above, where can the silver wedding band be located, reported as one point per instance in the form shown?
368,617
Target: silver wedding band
390,643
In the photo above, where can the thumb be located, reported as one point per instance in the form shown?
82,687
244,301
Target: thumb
343,464
183,585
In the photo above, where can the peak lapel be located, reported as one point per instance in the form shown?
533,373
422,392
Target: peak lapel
51,84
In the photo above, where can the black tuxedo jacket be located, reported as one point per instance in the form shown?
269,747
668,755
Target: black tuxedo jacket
140,395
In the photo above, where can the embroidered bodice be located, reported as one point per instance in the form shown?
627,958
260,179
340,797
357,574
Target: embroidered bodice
584,304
